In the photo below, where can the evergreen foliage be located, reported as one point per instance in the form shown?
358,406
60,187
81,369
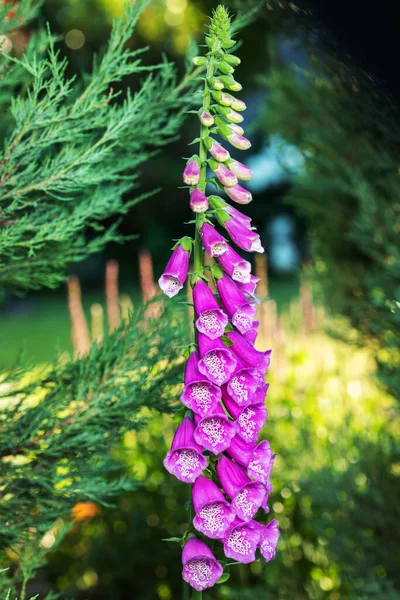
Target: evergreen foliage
348,192
74,147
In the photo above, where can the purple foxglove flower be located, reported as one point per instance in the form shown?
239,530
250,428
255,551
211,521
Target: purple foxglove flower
260,393
243,384
201,569
235,266
238,194
213,241
241,541
240,170
252,334
243,237
235,139
191,173
246,495
236,214
249,420
198,201
249,355
222,173
269,536
214,433
257,459
199,394
213,513
217,361
237,104
185,460
249,289
216,150
211,318
175,273
239,310
206,119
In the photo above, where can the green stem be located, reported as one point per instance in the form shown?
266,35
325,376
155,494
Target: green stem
197,595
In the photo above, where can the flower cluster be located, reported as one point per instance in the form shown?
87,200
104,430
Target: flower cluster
216,448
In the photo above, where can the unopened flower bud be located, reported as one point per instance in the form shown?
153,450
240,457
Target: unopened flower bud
222,173
216,150
230,114
228,44
191,173
199,61
221,122
225,68
237,104
206,119
238,194
237,141
198,201
232,60
216,83
221,98
240,170
236,128
230,83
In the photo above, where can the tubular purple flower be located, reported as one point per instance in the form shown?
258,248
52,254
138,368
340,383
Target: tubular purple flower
217,361
269,536
252,334
191,173
214,433
246,495
249,355
185,460
216,150
235,266
239,216
211,318
243,384
241,541
213,513
199,394
239,310
235,139
239,194
201,569
249,420
198,201
249,289
240,170
175,273
213,241
243,237
206,119
222,173
260,393
257,459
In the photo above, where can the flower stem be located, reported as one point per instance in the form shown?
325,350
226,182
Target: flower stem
197,595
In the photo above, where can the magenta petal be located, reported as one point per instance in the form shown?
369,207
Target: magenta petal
249,289
213,513
242,386
217,361
251,421
225,176
249,355
251,334
238,194
248,500
261,463
215,432
198,201
213,241
234,265
175,273
242,236
200,567
199,394
240,170
234,303
243,318
269,536
260,393
231,476
241,540
211,319
185,459
205,491
239,216
191,173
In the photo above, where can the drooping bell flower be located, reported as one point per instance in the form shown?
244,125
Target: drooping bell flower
199,394
269,536
185,460
198,201
249,289
211,318
252,334
249,355
235,304
235,139
222,173
241,541
243,384
213,513
206,119
201,569
257,459
213,241
216,202
238,194
216,150
176,271
243,237
240,170
246,495
217,361
235,266
191,173
215,432
260,393
249,420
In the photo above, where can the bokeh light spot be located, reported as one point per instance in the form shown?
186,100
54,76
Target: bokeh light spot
75,39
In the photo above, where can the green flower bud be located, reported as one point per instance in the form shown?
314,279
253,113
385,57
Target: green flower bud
216,83
230,83
217,202
232,60
224,67
222,216
221,98
230,114
237,104
228,44
199,61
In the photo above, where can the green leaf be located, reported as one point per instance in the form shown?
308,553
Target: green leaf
172,539
224,577
226,341
180,414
